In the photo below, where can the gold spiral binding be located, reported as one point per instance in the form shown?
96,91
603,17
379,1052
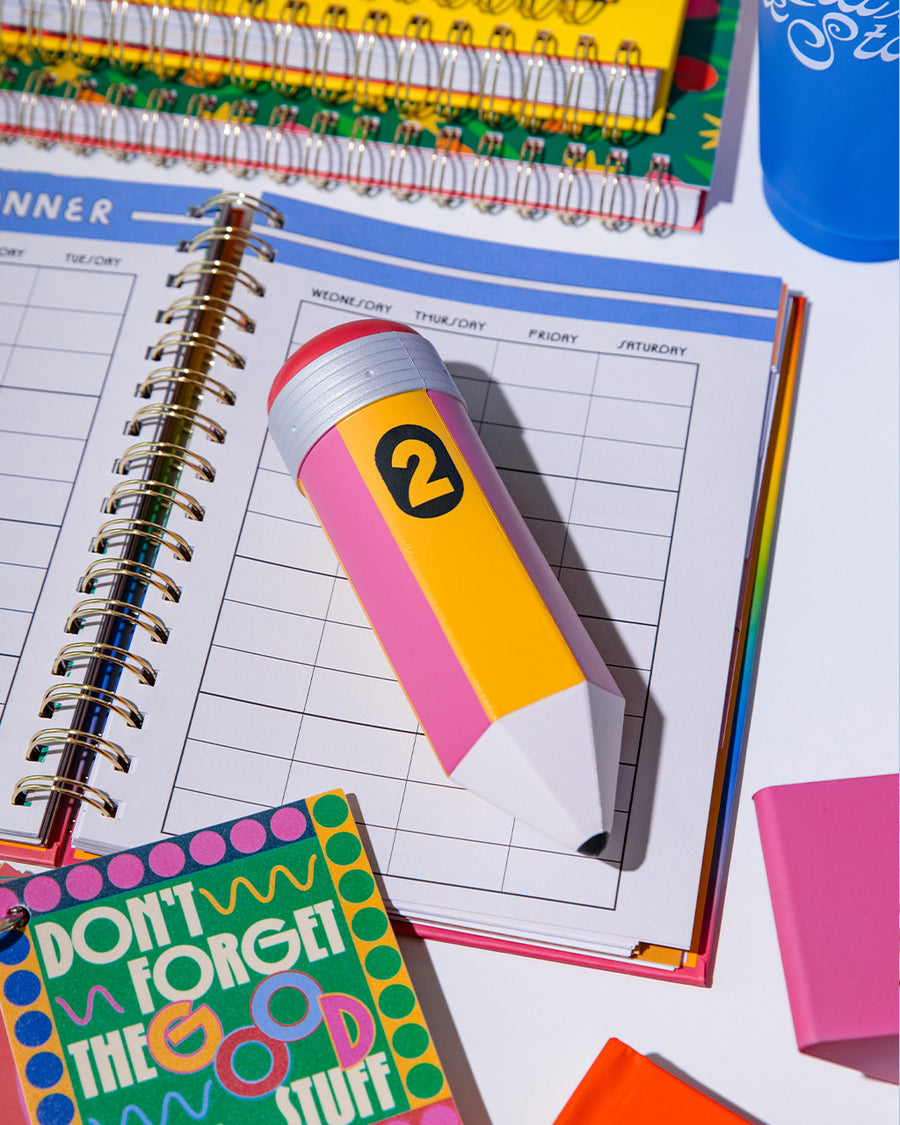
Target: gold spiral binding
280,116
27,788
501,41
61,694
543,49
113,529
294,13
530,151
41,742
174,376
248,240
571,162
242,23
405,133
654,183
240,112
142,452
583,58
568,10
71,654
104,569
172,341
334,22
117,93
158,101
417,30
627,58
134,491
365,128
322,125
116,583
612,170
159,413
199,109
67,107
488,144
446,143
110,607
35,83
216,267
75,37
459,38
374,27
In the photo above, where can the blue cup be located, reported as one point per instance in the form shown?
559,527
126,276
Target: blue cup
828,123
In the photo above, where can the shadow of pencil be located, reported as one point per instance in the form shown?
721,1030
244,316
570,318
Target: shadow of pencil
501,431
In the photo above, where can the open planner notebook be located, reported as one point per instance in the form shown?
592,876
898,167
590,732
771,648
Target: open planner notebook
634,411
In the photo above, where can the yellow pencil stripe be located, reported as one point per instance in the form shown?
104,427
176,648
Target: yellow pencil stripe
495,619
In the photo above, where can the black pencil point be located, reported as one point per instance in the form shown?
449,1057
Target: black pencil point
594,845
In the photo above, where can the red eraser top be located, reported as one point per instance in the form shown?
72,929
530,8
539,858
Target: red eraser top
325,342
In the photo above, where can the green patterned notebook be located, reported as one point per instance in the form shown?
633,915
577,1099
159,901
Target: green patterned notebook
245,973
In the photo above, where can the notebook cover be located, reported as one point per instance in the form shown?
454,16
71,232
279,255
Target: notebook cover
623,1087
830,850
247,973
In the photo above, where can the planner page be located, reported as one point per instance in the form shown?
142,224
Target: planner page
625,407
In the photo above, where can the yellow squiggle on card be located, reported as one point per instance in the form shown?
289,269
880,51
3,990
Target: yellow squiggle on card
270,894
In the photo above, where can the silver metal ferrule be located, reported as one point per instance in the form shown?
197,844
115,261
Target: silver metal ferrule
345,379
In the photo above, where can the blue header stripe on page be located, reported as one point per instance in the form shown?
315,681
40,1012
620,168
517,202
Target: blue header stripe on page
465,290
38,203
540,266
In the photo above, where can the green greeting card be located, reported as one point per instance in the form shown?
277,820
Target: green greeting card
244,973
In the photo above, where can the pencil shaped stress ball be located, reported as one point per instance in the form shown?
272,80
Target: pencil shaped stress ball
501,673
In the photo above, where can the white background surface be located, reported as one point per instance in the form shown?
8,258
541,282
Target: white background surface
517,1034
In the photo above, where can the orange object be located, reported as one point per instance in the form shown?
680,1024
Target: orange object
624,1088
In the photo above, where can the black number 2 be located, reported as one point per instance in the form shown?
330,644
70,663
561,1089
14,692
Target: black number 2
419,472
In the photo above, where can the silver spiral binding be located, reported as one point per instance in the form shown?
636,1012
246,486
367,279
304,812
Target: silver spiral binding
140,504
417,30
459,38
322,126
585,56
334,22
295,13
156,46
654,184
542,49
501,40
199,108
571,163
365,129
374,27
281,116
613,169
627,58
67,108
15,918
488,144
117,94
405,134
157,102
196,65
530,152
446,143
75,36
241,27
34,36
35,84
241,112
116,42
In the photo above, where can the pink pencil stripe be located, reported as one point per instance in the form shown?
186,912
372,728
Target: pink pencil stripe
443,698
570,625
